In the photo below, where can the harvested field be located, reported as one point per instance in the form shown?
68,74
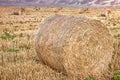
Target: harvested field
18,58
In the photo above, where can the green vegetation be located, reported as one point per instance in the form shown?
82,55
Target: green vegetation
89,78
118,36
15,28
114,45
7,35
21,35
31,21
9,23
21,22
28,37
12,49
27,47
117,76
31,25
1,23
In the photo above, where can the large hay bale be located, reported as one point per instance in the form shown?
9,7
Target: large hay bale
76,46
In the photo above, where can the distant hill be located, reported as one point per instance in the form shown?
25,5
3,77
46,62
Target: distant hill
63,3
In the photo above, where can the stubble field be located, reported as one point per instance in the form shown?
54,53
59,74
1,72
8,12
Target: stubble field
18,59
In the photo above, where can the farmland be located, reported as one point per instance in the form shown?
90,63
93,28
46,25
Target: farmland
18,58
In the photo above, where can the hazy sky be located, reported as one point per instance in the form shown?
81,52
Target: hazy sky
63,3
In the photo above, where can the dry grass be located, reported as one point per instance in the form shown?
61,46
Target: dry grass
18,59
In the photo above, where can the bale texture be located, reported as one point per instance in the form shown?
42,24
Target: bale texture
76,46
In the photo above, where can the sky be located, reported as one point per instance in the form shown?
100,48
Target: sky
63,3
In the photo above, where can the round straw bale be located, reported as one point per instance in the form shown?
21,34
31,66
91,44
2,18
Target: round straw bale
76,46
19,11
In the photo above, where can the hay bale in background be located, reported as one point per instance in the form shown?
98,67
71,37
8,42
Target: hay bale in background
19,11
58,9
36,8
83,10
76,46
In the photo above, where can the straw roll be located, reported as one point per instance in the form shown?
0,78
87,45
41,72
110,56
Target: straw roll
76,46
